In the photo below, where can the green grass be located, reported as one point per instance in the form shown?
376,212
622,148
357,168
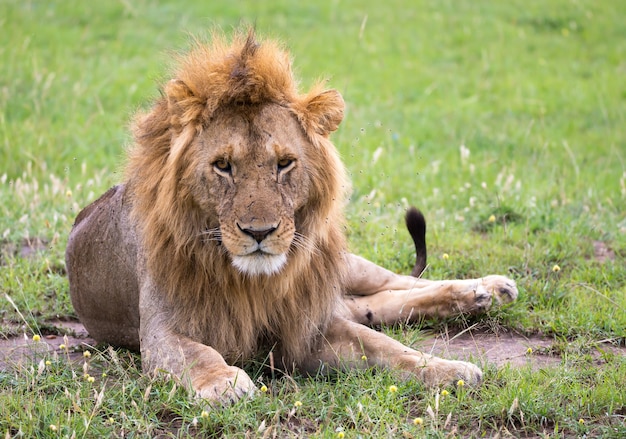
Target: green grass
465,108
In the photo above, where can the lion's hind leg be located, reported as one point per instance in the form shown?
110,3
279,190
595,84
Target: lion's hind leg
422,298
101,260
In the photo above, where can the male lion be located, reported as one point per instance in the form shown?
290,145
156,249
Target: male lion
226,240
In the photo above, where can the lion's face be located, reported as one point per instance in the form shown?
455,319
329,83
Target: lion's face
233,153
249,179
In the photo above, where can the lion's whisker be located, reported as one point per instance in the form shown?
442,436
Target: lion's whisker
214,234
305,243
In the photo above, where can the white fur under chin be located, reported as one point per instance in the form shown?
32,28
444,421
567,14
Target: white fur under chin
257,264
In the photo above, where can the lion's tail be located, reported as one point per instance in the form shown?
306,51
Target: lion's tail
416,224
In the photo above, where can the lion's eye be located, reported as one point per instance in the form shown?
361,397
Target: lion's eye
222,166
284,164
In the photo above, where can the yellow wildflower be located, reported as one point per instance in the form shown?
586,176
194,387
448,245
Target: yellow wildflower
418,421
460,383
297,403
556,268
393,389
36,337
263,388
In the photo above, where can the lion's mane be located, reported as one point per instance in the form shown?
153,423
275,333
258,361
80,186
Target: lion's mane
237,314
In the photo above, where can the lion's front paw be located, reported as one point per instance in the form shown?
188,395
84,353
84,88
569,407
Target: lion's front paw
503,289
438,372
224,387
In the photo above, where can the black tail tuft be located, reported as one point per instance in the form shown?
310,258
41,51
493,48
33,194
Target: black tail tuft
416,224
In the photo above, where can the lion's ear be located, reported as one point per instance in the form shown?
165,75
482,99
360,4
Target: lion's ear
323,112
182,105
184,109
176,92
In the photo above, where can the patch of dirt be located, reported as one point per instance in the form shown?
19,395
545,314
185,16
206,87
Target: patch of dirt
26,249
498,349
18,350
602,252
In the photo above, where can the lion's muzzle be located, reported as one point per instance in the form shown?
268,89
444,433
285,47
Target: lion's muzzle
259,249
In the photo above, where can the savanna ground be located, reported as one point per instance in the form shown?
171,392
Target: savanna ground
503,121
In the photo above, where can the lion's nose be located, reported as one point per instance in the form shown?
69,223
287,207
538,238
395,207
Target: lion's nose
258,233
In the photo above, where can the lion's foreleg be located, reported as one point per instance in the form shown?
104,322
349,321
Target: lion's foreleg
351,345
200,367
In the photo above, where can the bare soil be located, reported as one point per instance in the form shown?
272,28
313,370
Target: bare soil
499,349
16,350
602,252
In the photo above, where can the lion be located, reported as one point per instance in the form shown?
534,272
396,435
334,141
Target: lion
225,242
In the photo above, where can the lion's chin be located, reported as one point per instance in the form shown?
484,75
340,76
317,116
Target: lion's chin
258,263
